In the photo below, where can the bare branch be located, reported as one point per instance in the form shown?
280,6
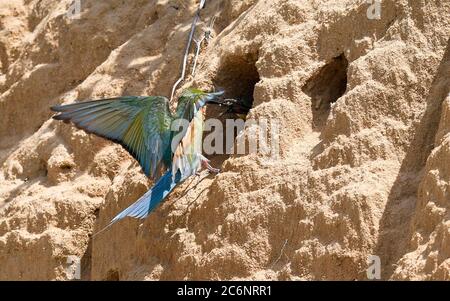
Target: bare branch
206,36
188,47
281,254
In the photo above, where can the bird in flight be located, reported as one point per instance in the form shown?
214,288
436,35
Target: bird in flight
167,145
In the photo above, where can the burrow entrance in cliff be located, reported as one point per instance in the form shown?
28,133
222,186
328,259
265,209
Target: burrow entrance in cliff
237,75
325,88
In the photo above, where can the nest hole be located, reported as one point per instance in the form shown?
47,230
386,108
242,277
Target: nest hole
65,167
237,75
325,88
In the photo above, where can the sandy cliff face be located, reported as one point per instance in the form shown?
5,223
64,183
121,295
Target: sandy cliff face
364,166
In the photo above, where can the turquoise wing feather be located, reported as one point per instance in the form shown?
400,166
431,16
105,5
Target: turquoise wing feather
141,124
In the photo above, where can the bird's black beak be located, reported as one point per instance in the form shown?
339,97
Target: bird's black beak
218,99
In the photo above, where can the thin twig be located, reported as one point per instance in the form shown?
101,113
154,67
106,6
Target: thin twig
188,48
281,253
206,36
197,53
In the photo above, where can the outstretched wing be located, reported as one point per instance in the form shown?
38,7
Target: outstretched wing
141,124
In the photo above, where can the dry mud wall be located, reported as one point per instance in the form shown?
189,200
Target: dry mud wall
364,166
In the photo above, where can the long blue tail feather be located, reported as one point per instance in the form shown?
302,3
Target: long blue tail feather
150,200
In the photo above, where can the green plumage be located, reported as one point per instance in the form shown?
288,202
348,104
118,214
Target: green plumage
142,124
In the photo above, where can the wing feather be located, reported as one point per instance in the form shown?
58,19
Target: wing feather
141,124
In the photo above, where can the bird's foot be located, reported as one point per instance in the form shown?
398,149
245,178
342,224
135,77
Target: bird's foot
205,164
214,170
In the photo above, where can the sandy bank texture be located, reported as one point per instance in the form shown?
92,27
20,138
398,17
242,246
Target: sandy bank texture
364,169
